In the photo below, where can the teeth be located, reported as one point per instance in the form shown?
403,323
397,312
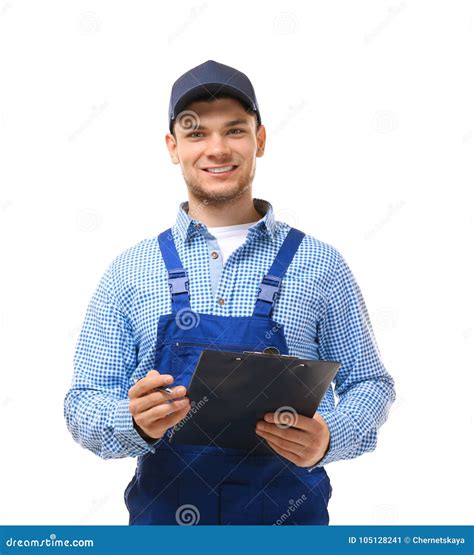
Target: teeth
220,170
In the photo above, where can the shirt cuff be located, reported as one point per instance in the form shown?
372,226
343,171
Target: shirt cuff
125,431
341,438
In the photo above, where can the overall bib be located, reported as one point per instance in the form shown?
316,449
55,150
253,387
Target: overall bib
195,484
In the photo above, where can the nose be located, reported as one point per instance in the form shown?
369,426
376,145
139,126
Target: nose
217,147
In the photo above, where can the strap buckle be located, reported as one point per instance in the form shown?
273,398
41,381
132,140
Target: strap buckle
178,281
269,288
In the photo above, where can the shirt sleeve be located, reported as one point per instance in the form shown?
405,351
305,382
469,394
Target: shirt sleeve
96,407
363,387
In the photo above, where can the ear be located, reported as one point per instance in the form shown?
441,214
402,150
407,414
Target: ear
261,140
172,148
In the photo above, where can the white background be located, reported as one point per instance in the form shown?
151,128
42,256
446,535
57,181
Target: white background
368,109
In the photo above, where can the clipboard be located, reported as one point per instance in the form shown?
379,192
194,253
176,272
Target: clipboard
231,391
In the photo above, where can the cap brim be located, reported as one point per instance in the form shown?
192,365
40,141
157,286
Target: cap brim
208,91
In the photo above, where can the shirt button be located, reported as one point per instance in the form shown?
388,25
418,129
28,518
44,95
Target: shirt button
214,254
198,226
221,301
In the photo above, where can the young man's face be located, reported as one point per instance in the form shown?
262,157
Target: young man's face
226,138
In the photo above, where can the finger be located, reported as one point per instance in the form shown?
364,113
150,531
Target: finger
296,420
290,434
284,453
150,381
157,428
291,446
162,411
142,404
173,419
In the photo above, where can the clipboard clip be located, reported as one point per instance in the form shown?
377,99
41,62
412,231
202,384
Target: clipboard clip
268,351
271,351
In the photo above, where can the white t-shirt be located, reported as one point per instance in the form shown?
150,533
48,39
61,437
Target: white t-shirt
230,237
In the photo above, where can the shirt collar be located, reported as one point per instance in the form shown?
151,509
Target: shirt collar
186,227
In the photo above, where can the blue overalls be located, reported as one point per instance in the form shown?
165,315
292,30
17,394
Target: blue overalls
194,484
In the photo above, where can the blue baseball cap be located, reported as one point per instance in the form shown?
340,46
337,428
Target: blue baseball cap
207,80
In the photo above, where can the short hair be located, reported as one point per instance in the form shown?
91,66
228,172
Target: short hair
215,97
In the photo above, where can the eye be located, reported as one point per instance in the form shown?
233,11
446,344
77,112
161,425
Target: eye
194,135
238,131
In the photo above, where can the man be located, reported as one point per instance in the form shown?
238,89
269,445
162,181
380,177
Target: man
227,275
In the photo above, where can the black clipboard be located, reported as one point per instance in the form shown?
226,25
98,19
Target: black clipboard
231,391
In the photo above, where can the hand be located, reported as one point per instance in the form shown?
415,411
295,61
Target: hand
304,443
153,412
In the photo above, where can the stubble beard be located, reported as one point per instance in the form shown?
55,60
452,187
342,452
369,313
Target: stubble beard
235,191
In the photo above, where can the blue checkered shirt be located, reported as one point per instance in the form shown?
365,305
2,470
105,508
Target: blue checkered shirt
320,306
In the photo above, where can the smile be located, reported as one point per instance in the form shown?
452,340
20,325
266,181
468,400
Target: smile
221,170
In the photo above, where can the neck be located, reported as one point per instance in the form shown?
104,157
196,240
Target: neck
237,211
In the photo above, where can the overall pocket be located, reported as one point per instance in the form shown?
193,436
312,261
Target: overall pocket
183,362
298,499
185,356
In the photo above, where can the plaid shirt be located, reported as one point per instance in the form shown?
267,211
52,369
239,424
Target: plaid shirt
319,304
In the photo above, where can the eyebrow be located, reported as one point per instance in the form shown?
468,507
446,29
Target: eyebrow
236,122
228,124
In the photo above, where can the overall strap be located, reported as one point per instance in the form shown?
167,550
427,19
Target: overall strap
177,275
270,284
